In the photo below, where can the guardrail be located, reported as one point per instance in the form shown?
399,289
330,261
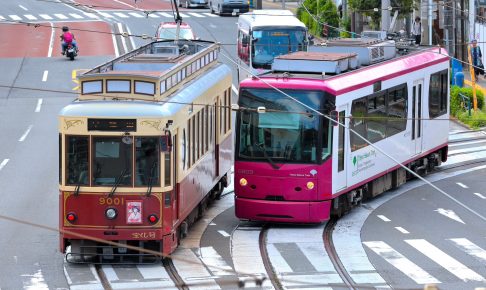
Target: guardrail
466,103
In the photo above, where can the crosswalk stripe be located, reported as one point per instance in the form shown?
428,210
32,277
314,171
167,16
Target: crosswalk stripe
246,252
134,14
215,263
15,17
210,15
60,16
105,14
446,261
45,16
90,15
109,273
155,272
1,17
119,14
414,272
319,259
30,17
470,248
77,16
166,14
184,15
152,15
190,268
278,262
195,14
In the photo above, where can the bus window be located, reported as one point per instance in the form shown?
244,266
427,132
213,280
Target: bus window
147,161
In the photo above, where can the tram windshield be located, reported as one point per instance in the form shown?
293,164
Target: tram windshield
287,131
272,42
113,161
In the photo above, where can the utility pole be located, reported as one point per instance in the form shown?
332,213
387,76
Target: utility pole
429,18
472,20
283,4
385,15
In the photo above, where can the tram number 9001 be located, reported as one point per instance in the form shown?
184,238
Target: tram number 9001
111,201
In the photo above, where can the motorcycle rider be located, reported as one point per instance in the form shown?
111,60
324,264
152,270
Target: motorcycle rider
67,37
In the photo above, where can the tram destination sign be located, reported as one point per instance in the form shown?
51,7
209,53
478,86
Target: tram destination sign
124,125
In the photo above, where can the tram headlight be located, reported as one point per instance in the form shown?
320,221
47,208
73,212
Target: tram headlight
243,182
153,218
310,185
111,213
71,217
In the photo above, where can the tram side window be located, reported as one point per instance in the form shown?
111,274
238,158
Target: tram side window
358,124
167,171
397,111
438,94
147,161
376,118
112,160
77,167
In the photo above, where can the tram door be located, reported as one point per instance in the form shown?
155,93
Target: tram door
175,202
216,131
340,181
417,112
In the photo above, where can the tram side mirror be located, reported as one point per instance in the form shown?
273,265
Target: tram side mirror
165,143
334,115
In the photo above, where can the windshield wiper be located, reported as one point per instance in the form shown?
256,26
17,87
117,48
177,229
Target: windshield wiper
262,146
149,190
118,181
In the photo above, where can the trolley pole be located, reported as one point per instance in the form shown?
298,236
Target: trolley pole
473,78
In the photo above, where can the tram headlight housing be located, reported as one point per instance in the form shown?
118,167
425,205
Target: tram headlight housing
111,213
310,185
243,182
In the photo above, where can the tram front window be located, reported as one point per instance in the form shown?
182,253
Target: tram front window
112,160
288,131
267,44
147,161
77,160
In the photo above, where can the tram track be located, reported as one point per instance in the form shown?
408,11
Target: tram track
266,259
103,279
173,274
333,256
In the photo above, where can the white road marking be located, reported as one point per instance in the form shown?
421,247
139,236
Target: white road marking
480,195
45,16
210,15
36,281
152,15
15,17
397,260
279,263
402,230
38,107
184,15
190,268
44,76
30,17
234,89
224,234
131,38
154,273
450,214
123,39
135,15
91,15
51,43
462,185
165,14
383,218
109,273
215,263
4,162
2,18
119,14
441,258
246,252
195,14
113,37
105,14
76,16
212,224
471,248
24,136
23,7
60,16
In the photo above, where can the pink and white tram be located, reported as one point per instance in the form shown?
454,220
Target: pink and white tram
293,165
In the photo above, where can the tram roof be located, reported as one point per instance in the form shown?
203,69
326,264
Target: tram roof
263,18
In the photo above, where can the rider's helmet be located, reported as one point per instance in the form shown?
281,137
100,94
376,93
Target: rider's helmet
65,28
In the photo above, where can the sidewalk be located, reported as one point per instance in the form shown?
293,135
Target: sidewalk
480,82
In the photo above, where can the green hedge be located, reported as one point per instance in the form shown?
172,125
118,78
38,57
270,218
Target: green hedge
478,118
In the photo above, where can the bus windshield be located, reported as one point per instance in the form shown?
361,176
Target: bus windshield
287,131
269,43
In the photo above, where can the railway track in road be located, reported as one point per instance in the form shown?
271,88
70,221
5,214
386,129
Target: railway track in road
174,275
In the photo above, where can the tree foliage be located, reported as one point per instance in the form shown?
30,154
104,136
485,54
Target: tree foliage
326,14
367,8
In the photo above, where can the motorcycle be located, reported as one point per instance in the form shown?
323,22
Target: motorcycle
71,52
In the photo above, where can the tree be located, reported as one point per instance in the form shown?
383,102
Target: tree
323,19
368,7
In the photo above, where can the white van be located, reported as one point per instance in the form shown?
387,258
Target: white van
233,7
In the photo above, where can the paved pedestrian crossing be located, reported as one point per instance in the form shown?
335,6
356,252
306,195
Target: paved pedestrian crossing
100,15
